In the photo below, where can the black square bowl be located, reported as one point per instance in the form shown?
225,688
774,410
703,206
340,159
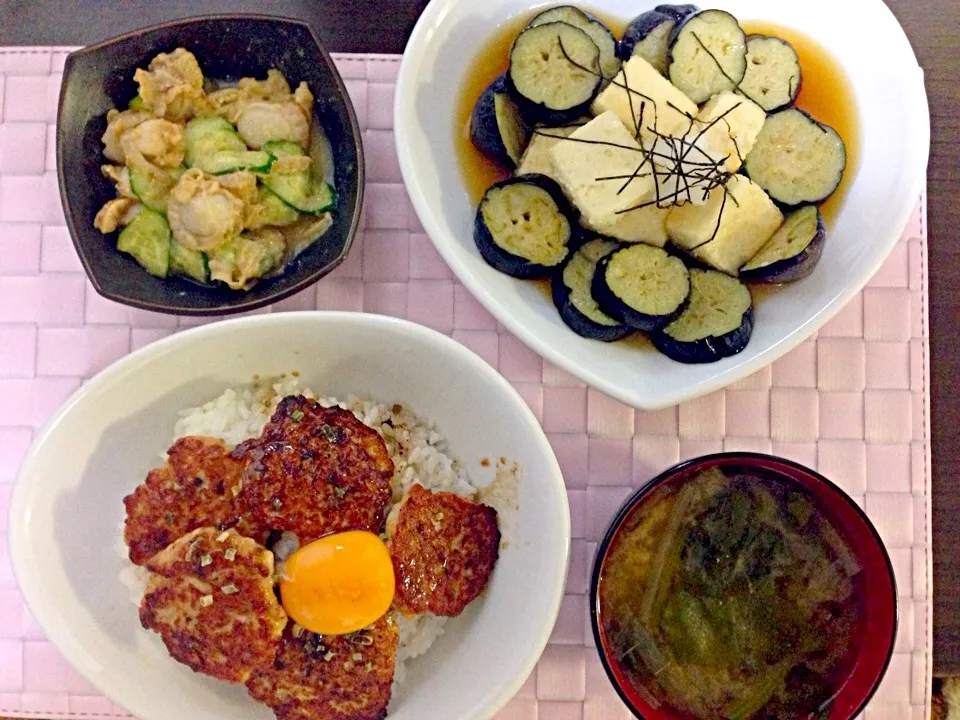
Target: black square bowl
228,47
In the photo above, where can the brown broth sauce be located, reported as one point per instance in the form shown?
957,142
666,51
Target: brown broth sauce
825,93
478,171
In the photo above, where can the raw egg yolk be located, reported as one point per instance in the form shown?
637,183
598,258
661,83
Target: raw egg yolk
339,583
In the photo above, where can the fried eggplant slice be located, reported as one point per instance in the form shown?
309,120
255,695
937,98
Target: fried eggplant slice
642,286
796,159
524,227
708,54
792,253
554,72
211,600
773,75
648,34
330,677
443,548
573,295
716,324
314,471
598,32
497,128
195,488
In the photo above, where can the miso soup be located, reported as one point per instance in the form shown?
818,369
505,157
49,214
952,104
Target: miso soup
731,595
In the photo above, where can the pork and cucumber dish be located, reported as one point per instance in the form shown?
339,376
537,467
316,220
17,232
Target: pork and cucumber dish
215,182
652,176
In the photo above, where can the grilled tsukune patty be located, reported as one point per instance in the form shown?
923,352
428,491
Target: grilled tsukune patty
330,677
314,471
523,226
443,548
211,600
195,488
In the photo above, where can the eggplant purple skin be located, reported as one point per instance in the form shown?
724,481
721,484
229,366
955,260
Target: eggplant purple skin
508,263
638,29
576,320
589,16
540,113
706,350
799,85
484,130
691,261
680,24
620,311
789,207
793,268
678,12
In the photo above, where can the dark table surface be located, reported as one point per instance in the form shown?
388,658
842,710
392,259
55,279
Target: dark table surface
933,27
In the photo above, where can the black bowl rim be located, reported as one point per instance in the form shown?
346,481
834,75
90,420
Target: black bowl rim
239,304
728,457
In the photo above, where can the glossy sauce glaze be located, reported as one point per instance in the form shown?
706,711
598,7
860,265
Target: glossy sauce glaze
825,93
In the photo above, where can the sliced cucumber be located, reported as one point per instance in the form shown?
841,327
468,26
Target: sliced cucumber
283,148
152,189
209,134
301,192
212,144
274,210
147,240
189,263
228,162
204,126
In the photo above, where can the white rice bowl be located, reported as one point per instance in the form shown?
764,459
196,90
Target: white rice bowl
66,506
419,456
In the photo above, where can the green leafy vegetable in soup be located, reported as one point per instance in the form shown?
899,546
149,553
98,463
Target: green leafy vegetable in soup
731,596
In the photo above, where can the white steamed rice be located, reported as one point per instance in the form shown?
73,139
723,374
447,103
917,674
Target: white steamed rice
418,452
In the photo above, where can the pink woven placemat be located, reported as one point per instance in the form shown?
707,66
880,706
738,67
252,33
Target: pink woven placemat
852,401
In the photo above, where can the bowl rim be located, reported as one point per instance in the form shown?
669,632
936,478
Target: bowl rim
404,119
23,556
237,304
723,458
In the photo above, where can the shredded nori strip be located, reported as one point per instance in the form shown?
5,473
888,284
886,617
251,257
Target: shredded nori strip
711,177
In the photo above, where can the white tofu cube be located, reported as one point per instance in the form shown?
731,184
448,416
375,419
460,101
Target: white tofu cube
642,225
748,219
594,166
536,158
734,136
653,103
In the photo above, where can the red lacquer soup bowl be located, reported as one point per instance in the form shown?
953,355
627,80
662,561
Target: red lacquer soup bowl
678,586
